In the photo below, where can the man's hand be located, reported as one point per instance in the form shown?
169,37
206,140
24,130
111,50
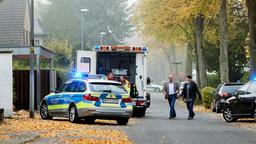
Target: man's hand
165,97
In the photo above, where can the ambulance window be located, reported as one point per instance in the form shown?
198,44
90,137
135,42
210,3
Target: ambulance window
85,60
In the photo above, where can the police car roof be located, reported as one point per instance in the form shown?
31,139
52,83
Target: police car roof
97,81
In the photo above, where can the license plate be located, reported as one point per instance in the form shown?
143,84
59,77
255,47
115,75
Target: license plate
222,100
110,101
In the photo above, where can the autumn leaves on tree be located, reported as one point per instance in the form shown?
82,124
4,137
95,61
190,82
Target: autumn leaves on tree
194,21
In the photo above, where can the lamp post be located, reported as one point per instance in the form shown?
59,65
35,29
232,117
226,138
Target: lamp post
82,27
101,37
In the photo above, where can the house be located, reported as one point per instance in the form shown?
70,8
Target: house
15,38
41,34
14,23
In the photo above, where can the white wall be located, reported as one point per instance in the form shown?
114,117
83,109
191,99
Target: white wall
6,82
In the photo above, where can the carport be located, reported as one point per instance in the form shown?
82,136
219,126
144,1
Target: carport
40,53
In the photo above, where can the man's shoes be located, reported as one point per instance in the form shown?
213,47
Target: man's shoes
190,118
171,117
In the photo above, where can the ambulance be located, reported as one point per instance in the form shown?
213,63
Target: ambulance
129,61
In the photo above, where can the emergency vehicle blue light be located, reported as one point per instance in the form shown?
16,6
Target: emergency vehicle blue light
78,75
144,49
97,47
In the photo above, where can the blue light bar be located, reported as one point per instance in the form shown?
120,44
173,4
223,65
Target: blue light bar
97,47
144,49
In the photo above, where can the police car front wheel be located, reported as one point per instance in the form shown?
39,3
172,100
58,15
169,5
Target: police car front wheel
44,111
73,116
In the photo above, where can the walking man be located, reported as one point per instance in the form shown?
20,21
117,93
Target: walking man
189,93
171,89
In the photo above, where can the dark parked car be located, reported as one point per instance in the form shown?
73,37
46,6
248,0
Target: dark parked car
223,92
242,104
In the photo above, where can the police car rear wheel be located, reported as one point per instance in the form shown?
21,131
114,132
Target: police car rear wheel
123,121
44,111
73,117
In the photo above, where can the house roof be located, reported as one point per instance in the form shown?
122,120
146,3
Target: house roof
12,14
39,30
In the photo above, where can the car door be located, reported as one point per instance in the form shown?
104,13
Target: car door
67,96
237,106
53,101
246,101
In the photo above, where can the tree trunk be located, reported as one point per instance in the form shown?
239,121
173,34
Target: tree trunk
199,26
251,5
198,80
189,59
224,68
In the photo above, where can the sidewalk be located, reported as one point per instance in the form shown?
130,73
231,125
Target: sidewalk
21,129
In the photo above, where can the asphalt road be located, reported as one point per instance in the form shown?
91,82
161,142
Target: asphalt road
156,128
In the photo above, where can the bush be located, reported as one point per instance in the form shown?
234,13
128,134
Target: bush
213,80
245,77
207,96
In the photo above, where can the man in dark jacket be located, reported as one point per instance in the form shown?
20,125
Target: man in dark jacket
189,93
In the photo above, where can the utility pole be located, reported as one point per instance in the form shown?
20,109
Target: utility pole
31,62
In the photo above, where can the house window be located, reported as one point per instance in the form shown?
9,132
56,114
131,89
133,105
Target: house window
27,37
24,37
37,42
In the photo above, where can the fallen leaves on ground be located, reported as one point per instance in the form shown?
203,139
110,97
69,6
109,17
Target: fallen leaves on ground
63,130
246,123
4,137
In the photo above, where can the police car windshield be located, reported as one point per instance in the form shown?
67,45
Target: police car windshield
107,88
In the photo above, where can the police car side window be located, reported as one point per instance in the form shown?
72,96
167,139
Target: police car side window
72,87
82,87
62,88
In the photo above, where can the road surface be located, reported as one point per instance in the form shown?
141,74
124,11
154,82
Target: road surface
156,128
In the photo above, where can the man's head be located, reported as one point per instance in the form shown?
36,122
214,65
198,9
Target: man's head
122,78
170,78
189,78
110,76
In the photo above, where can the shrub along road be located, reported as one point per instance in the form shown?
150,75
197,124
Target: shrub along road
204,129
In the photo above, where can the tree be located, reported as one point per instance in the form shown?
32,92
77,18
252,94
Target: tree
199,28
223,58
62,50
62,19
251,5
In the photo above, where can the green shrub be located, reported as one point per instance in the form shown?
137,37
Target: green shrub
207,96
245,77
213,80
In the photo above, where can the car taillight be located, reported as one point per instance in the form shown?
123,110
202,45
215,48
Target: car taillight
127,100
140,103
89,97
224,94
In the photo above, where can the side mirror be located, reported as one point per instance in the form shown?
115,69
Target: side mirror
148,80
53,91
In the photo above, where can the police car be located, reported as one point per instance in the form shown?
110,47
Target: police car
88,99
